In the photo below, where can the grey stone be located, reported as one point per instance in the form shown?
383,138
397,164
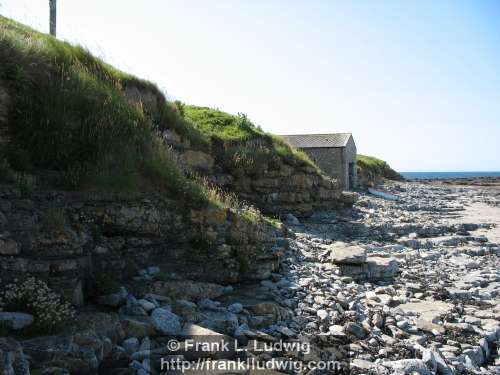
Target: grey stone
223,322
136,327
356,330
207,303
235,308
131,345
337,331
146,305
341,253
165,322
408,366
429,359
476,355
442,366
291,219
322,314
16,320
428,310
153,270
486,348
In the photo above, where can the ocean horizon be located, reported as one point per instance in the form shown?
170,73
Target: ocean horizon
446,175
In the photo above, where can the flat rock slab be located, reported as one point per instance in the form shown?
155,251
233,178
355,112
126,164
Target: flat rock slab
375,268
341,253
15,320
428,310
462,261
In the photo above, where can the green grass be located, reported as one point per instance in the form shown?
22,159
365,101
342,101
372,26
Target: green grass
377,167
68,111
64,110
53,220
217,124
242,147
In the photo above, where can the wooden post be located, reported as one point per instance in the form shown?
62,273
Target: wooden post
53,16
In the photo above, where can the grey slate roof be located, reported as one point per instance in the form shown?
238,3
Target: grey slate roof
317,140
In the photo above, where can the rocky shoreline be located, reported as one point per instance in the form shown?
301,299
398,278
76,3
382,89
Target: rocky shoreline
464,181
440,314
386,287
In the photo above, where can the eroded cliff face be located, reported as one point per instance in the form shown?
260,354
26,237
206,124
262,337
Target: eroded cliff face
71,239
276,187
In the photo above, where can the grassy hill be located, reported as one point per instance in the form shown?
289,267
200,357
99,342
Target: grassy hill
372,168
67,111
240,145
68,115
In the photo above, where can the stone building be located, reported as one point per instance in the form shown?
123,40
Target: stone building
334,153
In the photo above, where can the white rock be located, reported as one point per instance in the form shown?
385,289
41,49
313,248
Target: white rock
322,314
16,320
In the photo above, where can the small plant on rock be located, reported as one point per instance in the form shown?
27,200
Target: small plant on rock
54,219
34,297
106,284
161,276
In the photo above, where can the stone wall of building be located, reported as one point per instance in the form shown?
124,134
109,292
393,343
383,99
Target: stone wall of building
350,154
336,162
69,240
330,160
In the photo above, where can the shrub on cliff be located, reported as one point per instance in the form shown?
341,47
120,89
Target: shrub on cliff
33,296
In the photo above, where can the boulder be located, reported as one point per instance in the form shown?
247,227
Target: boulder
220,321
356,330
146,305
408,366
235,308
341,253
380,268
188,311
428,310
16,320
136,327
165,322
428,326
79,353
368,367
131,345
374,269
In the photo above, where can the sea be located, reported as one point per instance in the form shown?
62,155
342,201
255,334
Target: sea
446,175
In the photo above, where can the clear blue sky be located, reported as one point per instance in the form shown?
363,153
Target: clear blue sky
417,82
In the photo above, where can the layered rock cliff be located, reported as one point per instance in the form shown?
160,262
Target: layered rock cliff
69,239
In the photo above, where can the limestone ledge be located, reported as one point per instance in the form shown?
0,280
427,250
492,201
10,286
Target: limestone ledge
69,239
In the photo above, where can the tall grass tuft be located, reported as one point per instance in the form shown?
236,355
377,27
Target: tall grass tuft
73,113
